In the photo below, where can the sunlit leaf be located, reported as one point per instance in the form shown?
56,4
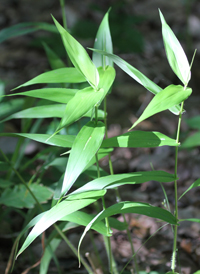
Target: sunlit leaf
103,41
62,75
168,97
137,76
54,214
116,180
139,139
195,184
79,56
84,148
175,53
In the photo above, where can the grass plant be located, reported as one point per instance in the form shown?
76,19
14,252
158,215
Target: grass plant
77,92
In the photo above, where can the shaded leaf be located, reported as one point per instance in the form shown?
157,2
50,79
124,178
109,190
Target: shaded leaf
54,61
139,139
79,56
19,197
103,41
84,148
62,75
195,184
192,141
168,97
175,53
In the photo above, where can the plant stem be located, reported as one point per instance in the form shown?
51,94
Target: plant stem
75,251
117,191
173,264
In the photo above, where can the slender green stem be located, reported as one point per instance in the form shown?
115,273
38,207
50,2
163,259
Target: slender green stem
173,264
75,251
116,189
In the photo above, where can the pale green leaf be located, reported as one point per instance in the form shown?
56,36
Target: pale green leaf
190,220
195,184
103,41
62,75
79,56
84,148
137,76
175,53
116,180
168,97
139,139
57,212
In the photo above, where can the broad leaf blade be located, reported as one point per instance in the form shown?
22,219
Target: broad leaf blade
103,41
195,184
78,56
84,148
168,97
116,180
62,75
139,139
137,76
57,212
175,53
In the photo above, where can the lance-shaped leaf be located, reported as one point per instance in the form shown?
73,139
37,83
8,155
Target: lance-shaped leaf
168,97
86,99
139,139
56,213
60,95
175,53
78,56
103,41
62,75
195,184
116,180
137,76
84,148
79,105
54,60
56,140
131,207
46,111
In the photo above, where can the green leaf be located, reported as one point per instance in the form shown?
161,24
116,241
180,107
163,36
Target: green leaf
84,148
168,97
175,53
131,207
83,218
190,220
103,41
116,180
79,105
5,183
54,61
19,197
62,75
79,56
139,139
46,219
11,106
57,140
60,95
195,184
137,76
192,141
25,28
194,122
